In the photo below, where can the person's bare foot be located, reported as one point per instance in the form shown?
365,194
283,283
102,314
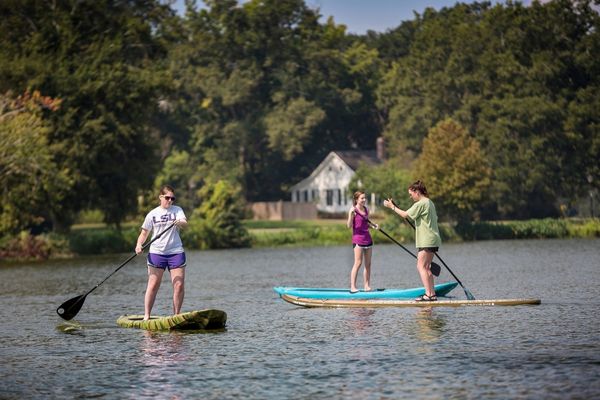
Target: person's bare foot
368,289
353,290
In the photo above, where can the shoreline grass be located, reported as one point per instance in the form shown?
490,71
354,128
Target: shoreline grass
91,239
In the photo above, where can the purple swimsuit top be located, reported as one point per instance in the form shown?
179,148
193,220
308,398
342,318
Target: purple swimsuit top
360,228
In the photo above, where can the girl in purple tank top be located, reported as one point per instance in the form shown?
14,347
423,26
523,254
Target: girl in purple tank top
358,220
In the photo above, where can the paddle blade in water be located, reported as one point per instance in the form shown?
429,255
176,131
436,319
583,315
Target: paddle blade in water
70,308
468,294
436,269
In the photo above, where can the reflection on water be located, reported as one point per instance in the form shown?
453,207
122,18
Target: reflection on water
430,325
274,350
71,328
359,319
161,349
160,355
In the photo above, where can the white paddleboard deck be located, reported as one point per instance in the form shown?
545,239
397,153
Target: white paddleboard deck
341,303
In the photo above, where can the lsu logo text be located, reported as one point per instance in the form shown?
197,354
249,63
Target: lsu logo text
163,218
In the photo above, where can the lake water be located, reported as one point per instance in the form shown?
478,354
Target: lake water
272,349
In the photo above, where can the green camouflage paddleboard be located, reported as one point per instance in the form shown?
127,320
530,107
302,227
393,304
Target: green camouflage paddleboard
193,320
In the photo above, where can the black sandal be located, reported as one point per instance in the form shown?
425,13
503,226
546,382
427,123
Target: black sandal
425,297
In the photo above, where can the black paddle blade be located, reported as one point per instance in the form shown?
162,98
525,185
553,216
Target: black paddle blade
436,269
70,308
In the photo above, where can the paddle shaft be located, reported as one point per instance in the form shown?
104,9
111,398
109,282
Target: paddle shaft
130,258
75,303
467,292
389,237
395,241
435,269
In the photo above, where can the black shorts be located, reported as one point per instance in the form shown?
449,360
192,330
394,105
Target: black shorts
429,249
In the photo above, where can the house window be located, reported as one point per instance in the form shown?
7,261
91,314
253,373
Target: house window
329,197
305,193
339,196
297,196
315,194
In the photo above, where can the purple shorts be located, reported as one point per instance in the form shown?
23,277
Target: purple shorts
169,261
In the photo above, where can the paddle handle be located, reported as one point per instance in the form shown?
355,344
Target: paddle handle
405,219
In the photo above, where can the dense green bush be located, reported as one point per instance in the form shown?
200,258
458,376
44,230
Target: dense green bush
26,246
530,229
584,228
217,222
306,236
103,240
483,231
90,217
539,229
200,234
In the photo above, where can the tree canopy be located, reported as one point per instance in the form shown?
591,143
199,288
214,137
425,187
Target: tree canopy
453,165
502,98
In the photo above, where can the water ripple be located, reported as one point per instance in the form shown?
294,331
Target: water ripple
271,349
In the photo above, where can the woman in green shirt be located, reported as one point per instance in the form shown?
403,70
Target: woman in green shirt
427,234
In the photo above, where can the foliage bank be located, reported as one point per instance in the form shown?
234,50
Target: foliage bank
88,241
258,92
339,234
25,246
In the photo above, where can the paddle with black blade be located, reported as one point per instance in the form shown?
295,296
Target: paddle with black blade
467,292
435,268
71,307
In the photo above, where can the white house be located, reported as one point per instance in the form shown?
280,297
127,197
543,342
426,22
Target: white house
327,185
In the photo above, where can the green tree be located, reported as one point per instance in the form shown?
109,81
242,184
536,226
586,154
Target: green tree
454,169
178,171
289,127
100,58
30,180
583,126
216,223
386,180
272,91
507,73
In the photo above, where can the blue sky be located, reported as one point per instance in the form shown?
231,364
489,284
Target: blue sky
362,15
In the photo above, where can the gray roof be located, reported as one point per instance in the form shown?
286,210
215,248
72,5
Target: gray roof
356,157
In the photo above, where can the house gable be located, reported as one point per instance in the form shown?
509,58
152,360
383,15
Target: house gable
327,185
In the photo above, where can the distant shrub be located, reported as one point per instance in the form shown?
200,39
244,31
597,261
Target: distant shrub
90,217
211,234
217,222
584,228
103,241
316,236
539,229
26,246
530,229
484,231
